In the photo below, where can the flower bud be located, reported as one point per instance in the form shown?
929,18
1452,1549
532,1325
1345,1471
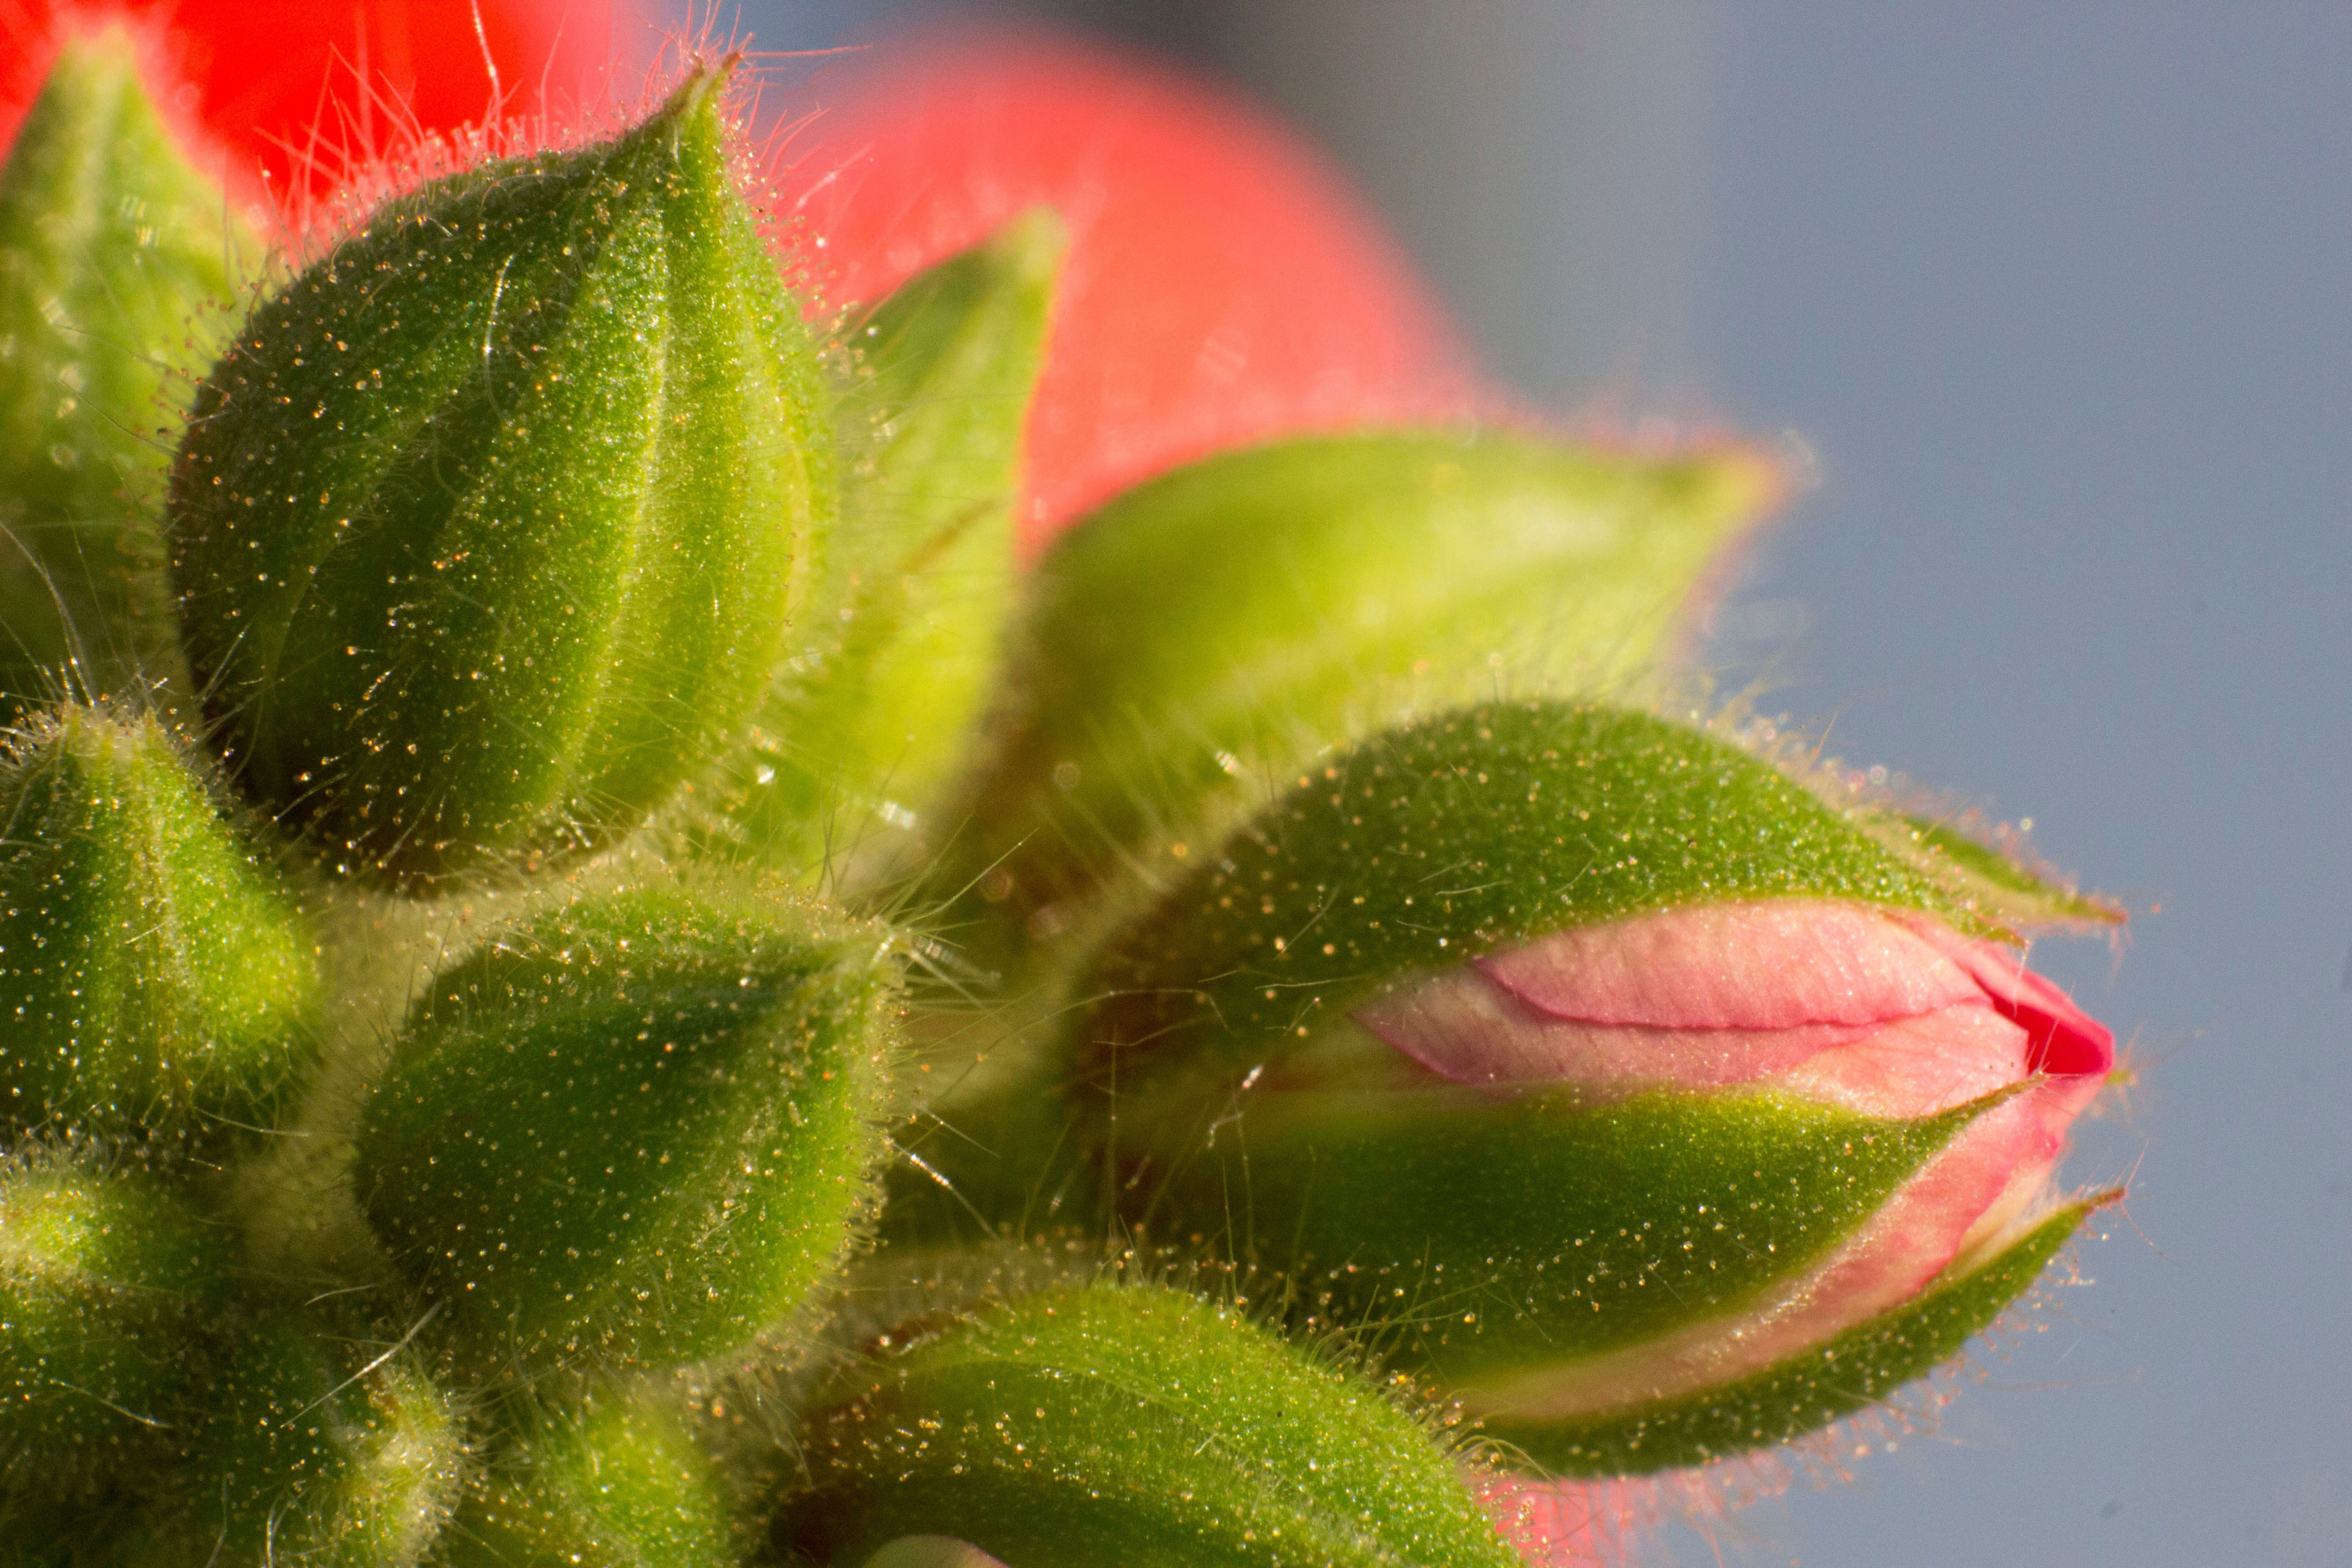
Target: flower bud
1209,627
323,1445
115,252
635,1131
608,1481
1617,1083
153,974
99,1275
862,733
486,528
1103,1423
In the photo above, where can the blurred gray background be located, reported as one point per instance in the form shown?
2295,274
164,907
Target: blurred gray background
2061,298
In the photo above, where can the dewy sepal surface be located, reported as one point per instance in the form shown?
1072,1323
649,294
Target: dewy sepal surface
157,973
1103,1423
634,1130
490,524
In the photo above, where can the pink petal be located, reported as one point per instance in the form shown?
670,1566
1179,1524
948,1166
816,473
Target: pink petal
1916,1067
1891,1015
930,1552
2061,1038
1463,1027
1773,964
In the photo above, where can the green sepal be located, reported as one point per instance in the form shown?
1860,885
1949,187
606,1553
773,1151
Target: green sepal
155,975
102,1279
119,263
1110,1423
323,1443
1857,1369
612,1481
637,1131
489,525
1997,890
1474,1239
1212,628
862,731
1432,845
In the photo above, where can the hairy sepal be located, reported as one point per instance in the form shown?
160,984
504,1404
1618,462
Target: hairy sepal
635,1131
157,977
1216,626
1865,1365
1470,1239
1101,1424
489,525
864,727
325,1441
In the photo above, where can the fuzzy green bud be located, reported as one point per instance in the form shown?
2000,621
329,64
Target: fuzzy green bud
118,260
1102,1424
1209,627
1636,1096
323,1445
862,733
154,975
99,1278
489,525
637,1131
611,1481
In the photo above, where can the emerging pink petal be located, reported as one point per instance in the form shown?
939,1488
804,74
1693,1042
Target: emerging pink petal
1889,1013
2061,1038
1885,1013
1768,965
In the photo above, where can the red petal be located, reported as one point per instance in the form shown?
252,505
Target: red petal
2062,1038
1222,285
275,84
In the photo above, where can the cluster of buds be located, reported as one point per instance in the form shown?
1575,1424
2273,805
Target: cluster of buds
513,792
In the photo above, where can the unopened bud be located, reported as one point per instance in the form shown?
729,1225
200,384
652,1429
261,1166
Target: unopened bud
100,1277
155,976
611,1481
637,1131
1606,1073
324,1446
486,528
1105,1424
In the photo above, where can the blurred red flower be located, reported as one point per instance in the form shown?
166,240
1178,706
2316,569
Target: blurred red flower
276,85
1224,285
